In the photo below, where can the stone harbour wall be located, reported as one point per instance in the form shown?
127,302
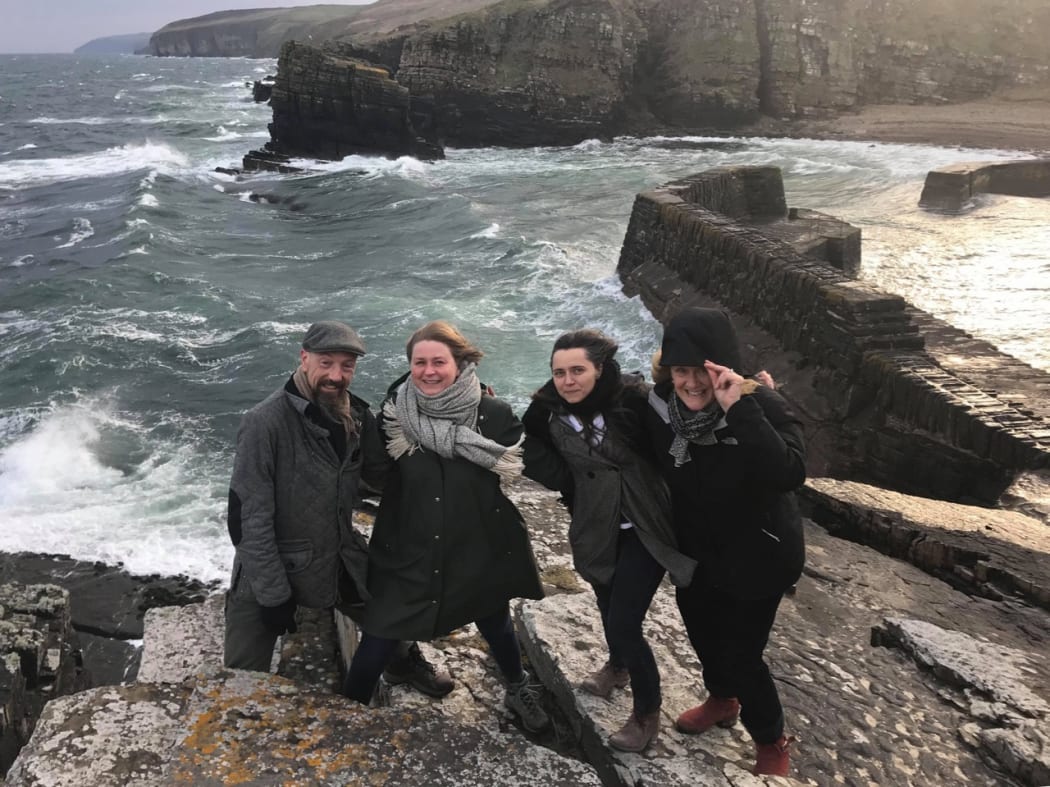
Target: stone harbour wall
952,188
908,414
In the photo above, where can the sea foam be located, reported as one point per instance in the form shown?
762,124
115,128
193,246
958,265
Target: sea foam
153,515
125,158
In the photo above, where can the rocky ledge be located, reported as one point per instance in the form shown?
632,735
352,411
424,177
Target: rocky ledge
889,675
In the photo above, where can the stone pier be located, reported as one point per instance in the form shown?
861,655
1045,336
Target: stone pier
892,395
951,189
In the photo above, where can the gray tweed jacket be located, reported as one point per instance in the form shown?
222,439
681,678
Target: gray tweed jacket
291,501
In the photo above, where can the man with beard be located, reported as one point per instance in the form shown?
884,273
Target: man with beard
301,455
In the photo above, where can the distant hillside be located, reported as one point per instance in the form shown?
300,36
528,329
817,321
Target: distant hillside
250,33
260,32
132,43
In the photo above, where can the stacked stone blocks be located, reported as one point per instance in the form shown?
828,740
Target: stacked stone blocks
919,427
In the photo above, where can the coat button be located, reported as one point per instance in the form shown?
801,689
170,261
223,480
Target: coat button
437,571
437,499
590,474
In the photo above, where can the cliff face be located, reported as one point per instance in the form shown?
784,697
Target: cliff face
327,105
557,71
526,74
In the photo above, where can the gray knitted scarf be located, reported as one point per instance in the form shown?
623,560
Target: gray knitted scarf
692,427
446,423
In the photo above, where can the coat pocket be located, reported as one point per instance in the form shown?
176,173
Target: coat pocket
295,555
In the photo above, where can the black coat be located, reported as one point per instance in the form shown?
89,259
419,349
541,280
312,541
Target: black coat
448,547
734,510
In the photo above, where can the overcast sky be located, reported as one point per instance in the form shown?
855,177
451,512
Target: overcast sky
63,25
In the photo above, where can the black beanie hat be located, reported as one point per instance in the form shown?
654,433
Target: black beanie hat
695,335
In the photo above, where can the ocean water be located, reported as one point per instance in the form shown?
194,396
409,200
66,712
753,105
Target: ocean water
146,301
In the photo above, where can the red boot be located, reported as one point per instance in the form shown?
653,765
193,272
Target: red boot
772,758
722,711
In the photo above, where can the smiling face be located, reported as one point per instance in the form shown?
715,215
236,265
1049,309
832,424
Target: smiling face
328,374
574,374
693,386
433,367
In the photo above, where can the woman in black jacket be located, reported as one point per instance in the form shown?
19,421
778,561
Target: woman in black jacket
584,438
448,547
732,452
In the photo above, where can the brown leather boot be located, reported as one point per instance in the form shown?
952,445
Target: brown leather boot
771,759
637,732
602,682
722,711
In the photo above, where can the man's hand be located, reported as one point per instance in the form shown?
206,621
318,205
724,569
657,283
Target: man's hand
281,618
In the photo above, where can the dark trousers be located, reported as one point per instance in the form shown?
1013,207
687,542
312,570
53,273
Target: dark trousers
374,653
249,644
623,604
729,635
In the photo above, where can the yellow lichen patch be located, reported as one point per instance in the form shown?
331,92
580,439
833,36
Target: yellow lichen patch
561,577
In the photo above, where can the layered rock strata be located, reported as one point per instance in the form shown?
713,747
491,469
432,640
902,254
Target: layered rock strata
557,72
952,188
328,106
903,396
39,660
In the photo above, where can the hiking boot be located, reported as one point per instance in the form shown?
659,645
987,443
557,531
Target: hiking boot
722,711
637,732
602,682
419,673
524,700
381,696
771,759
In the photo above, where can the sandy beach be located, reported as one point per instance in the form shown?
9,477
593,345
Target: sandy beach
1015,120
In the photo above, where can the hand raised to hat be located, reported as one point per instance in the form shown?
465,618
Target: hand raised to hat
728,386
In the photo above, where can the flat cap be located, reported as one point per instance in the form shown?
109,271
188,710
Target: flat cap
329,336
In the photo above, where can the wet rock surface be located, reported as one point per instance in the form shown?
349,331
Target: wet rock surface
106,607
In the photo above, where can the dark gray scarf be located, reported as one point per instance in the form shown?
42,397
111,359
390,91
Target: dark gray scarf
692,427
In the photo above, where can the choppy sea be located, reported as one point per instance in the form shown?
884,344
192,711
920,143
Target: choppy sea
146,301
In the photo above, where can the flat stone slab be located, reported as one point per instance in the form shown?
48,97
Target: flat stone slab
248,728
993,682
986,551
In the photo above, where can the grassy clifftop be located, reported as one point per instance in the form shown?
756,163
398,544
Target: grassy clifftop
260,32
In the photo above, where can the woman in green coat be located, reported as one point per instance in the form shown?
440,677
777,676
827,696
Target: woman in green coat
448,548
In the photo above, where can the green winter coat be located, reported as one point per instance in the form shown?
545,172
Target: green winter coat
448,547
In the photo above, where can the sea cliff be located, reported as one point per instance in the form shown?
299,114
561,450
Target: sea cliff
553,71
